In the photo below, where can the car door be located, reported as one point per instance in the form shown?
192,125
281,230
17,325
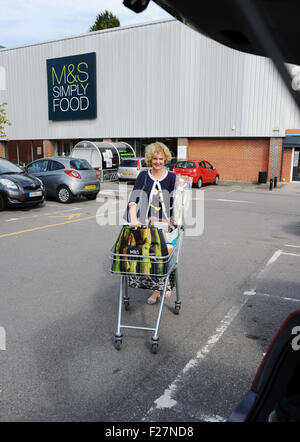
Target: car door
39,169
203,171
210,172
54,176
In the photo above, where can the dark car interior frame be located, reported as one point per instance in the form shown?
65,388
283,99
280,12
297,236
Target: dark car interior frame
267,28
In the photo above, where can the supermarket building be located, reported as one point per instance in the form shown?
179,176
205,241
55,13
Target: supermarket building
154,81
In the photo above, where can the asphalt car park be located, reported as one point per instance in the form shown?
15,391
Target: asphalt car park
59,310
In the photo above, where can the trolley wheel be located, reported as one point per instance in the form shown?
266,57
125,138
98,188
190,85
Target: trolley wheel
118,342
154,346
177,307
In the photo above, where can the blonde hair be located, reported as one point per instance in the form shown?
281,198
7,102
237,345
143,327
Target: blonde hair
153,149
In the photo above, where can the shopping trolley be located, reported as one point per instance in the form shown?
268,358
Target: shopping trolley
167,264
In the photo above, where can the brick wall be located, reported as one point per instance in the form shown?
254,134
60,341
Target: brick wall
286,165
235,159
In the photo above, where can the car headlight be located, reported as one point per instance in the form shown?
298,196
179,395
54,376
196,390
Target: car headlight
8,183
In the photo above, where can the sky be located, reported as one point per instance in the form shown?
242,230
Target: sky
31,21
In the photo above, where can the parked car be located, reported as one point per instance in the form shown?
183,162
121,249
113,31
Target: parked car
17,188
201,171
130,168
274,395
65,177
170,165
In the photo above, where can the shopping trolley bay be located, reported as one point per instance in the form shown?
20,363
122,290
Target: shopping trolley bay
60,302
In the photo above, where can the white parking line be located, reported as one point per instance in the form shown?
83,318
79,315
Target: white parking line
223,200
271,261
235,201
166,400
268,295
13,219
274,257
290,254
291,245
41,214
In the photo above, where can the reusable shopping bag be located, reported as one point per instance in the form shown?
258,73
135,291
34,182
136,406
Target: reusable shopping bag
137,251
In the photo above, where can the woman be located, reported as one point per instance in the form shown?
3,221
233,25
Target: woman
151,202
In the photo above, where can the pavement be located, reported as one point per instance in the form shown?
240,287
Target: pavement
114,189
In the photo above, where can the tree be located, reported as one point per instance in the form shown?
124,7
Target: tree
105,20
3,121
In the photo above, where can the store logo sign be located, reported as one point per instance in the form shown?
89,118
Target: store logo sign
72,87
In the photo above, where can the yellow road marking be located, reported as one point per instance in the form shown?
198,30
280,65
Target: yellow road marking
234,190
34,229
70,216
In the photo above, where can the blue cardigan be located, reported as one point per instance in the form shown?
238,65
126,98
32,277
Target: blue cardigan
142,190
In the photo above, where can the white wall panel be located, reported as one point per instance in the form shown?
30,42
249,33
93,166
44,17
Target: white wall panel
159,79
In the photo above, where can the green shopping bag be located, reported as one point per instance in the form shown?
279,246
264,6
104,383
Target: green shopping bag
138,251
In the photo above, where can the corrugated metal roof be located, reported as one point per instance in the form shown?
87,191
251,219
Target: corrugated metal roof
160,79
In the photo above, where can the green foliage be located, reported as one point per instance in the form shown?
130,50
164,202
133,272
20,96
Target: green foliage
3,121
105,20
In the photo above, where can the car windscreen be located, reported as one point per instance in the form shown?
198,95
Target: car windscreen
128,163
79,164
185,165
8,167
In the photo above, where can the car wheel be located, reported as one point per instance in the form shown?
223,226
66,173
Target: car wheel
199,183
92,196
2,202
216,180
64,195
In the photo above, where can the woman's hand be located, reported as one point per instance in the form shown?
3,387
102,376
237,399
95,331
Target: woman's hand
133,216
136,223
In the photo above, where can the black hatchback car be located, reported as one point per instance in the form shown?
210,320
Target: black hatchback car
17,188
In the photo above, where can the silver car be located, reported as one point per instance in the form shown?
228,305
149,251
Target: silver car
65,178
130,168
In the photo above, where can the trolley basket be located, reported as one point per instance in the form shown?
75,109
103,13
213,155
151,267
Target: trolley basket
150,265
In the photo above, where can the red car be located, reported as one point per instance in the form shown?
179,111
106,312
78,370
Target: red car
201,171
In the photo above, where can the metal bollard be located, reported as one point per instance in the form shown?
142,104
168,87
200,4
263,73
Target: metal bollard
271,183
275,182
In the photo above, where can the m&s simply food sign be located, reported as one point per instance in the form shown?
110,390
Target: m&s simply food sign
72,87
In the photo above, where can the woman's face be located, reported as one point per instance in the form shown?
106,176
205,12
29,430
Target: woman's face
158,161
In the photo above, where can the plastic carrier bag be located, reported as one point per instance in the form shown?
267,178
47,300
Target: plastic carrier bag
137,252
183,195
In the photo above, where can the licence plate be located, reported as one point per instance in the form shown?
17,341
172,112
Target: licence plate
37,193
90,187
127,174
